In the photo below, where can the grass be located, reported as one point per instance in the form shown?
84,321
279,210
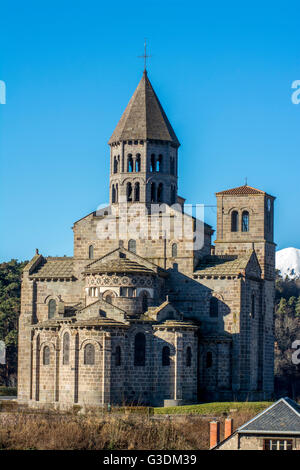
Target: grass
214,409
8,391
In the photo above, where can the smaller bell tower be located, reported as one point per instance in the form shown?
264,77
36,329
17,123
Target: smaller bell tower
245,221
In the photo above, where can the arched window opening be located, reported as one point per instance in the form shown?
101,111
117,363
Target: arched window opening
253,305
153,190
214,307
209,360
234,221
139,349
108,298
66,349
138,163
129,163
117,192
188,356
137,191
102,313
113,194
173,194
51,308
144,301
89,354
91,252
165,360
152,163
245,221
118,356
160,192
129,192
46,356
159,163
172,166
115,165
132,246
174,250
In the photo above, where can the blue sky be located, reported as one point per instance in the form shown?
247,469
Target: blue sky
222,70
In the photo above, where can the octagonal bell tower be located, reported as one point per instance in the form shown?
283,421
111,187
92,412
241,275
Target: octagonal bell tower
143,155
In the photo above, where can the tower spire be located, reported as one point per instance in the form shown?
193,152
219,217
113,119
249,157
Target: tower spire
145,56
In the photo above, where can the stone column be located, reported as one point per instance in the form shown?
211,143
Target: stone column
106,368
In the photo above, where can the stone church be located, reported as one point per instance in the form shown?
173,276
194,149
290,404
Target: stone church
141,314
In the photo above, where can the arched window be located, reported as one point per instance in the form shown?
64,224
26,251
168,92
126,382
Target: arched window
137,191
245,221
89,354
91,252
188,356
132,246
153,190
152,163
213,307
253,305
160,192
172,166
117,193
118,357
173,194
139,349
113,194
165,359
159,162
129,192
209,360
144,296
138,163
51,308
115,165
234,221
46,356
66,348
108,298
130,163
174,250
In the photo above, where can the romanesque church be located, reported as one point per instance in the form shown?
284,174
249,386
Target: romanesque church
154,319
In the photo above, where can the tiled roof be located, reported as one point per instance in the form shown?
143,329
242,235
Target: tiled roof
144,117
281,417
120,265
55,322
241,191
222,265
54,268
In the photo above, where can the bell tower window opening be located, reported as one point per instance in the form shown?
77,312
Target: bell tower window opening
129,163
129,192
113,194
139,349
160,192
137,192
234,221
245,221
165,356
153,190
51,308
138,163
152,163
91,252
132,246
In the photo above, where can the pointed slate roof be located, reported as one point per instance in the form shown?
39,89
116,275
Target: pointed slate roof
281,417
144,117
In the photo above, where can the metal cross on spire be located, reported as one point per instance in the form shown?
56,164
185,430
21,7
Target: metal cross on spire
145,56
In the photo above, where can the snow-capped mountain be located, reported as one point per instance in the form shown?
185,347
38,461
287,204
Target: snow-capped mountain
288,262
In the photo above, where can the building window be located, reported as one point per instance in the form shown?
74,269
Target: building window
234,221
144,297
278,444
159,162
113,194
129,163
174,250
89,354
66,349
139,349
188,357
102,313
152,163
209,360
137,191
153,195
213,307
173,194
138,163
91,252
132,246
165,360
46,356
118,357
253,305
160,192
129,192
51,308
108,299
245,221
115,165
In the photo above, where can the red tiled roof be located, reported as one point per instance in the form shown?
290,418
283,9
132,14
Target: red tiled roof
241,191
